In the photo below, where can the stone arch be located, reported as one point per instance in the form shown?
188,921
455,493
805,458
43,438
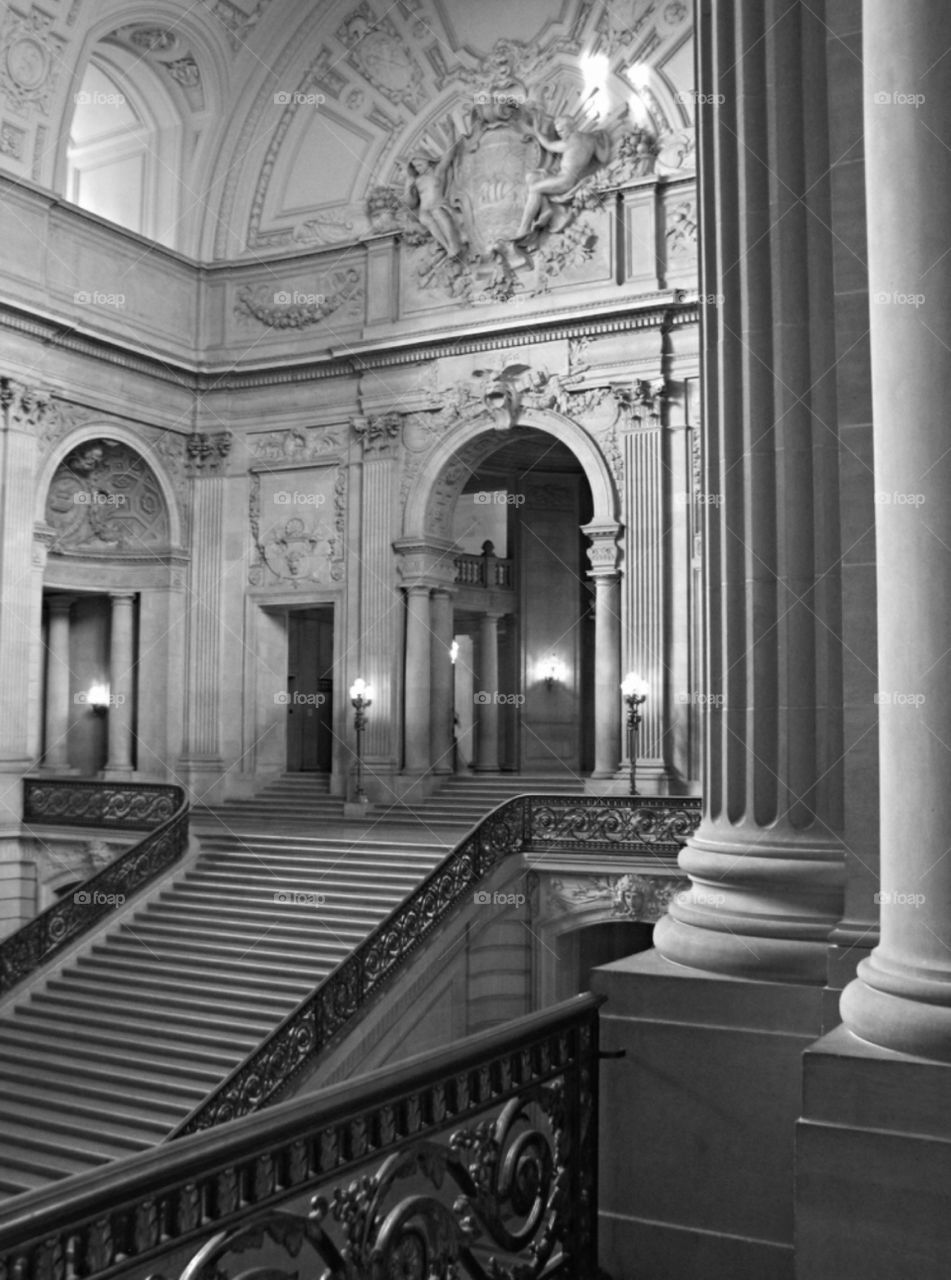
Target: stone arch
88,434
441,479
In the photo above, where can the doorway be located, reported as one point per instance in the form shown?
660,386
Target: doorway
309,703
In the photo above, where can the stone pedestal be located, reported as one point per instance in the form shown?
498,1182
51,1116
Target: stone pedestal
697,1121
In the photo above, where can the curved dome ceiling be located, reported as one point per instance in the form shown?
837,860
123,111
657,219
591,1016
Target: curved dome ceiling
293,112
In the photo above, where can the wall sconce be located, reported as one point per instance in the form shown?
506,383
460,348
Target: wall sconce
454,652
98,698
635,690
552,670
361,697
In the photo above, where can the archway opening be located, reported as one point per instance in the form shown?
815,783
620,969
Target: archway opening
522,619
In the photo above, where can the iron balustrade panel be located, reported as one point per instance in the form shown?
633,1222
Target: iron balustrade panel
430,1168
54,929
86,803
658,826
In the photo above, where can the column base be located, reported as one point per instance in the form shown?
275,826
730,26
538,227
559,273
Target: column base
698,1119
873,1164
901,1009
111,774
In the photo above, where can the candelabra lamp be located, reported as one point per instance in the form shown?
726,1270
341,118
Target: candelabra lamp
635,689
361,697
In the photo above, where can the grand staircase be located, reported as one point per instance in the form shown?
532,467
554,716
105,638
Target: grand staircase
109,1054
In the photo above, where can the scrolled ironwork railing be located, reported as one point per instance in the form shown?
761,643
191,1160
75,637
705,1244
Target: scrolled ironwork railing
476,1161
655,826
161,810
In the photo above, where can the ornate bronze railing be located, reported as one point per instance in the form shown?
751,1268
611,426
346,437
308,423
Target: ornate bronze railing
656,826
493,1139
162,810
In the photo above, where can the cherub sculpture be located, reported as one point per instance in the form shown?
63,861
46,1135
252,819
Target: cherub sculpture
581,152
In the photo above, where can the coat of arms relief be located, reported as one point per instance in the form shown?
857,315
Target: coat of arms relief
502,205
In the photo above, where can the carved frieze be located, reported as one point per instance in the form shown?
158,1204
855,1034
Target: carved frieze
30,58
500,206
105,498
23,406
297,444
682,231
298,527
207,452
340,289
376,51
378,433
12,141
631,896
167,49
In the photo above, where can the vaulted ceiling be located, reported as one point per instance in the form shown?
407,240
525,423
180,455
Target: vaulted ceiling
273,120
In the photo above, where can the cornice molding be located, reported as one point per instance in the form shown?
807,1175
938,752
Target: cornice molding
656,311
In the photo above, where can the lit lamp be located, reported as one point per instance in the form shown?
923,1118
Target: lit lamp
551,671
635,690
361,696
98,698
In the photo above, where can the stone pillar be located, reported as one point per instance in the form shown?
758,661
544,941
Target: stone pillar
767,864
58,706
441,681
201,765
603,555
416,754
23,409
902,996
646,583
121,685
487,707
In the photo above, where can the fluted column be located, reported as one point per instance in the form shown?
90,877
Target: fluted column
58,715
416,689
121,687
441,681
766,864
23,410
487,706
901,998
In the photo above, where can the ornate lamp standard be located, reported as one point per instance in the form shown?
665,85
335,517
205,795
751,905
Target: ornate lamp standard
361,697
635,690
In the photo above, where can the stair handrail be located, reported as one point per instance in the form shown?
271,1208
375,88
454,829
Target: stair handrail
525,1181
654,825
161,809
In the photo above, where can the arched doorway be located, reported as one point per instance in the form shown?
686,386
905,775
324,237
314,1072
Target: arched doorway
538,625
108,530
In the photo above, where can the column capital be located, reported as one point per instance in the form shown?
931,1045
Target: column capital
23,406
432,561
604,552
116,596
59,603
